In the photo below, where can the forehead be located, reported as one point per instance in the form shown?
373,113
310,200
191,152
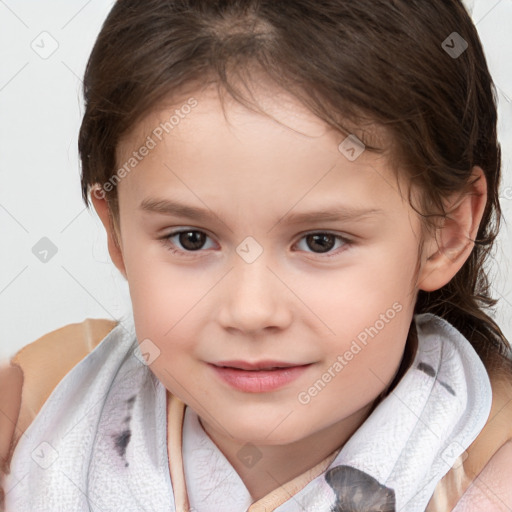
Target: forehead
214,106
214,142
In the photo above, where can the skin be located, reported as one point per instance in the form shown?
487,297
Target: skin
293,303
491,490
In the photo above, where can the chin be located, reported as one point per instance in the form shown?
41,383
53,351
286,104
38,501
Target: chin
266,434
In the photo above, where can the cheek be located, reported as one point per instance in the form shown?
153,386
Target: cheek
369,309
354,297
356,371
161,292
385,275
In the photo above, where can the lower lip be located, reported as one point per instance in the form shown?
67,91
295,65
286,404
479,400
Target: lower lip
259,381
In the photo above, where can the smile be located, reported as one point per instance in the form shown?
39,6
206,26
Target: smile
258,378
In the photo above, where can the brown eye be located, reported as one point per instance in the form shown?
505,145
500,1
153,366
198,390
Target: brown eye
185,241
323,242
192,240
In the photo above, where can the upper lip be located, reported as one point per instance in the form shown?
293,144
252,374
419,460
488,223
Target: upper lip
258,365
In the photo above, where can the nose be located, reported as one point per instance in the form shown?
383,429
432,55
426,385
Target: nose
255,300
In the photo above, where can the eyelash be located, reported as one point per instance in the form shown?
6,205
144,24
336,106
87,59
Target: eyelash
166,240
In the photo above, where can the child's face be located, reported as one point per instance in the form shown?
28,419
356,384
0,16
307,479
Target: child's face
342,315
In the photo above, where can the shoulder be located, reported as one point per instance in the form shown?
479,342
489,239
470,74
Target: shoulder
491,489
497,431
35,370
489,453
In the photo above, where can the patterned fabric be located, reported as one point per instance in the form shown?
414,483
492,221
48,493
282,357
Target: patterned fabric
99,443
357,491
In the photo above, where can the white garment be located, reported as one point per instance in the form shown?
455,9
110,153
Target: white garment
99,441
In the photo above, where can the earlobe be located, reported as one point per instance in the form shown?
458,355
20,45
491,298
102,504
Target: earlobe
104,212
447,252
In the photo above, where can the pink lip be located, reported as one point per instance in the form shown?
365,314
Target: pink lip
250,378
259,365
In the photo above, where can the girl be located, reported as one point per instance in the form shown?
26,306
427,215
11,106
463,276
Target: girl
301,196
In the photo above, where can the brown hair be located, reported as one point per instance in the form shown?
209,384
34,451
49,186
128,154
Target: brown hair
381,62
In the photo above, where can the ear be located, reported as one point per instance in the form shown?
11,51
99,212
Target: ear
104,212
454,239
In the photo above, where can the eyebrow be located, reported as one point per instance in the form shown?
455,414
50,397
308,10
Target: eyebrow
336,213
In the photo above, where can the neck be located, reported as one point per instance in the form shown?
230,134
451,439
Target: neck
281,463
